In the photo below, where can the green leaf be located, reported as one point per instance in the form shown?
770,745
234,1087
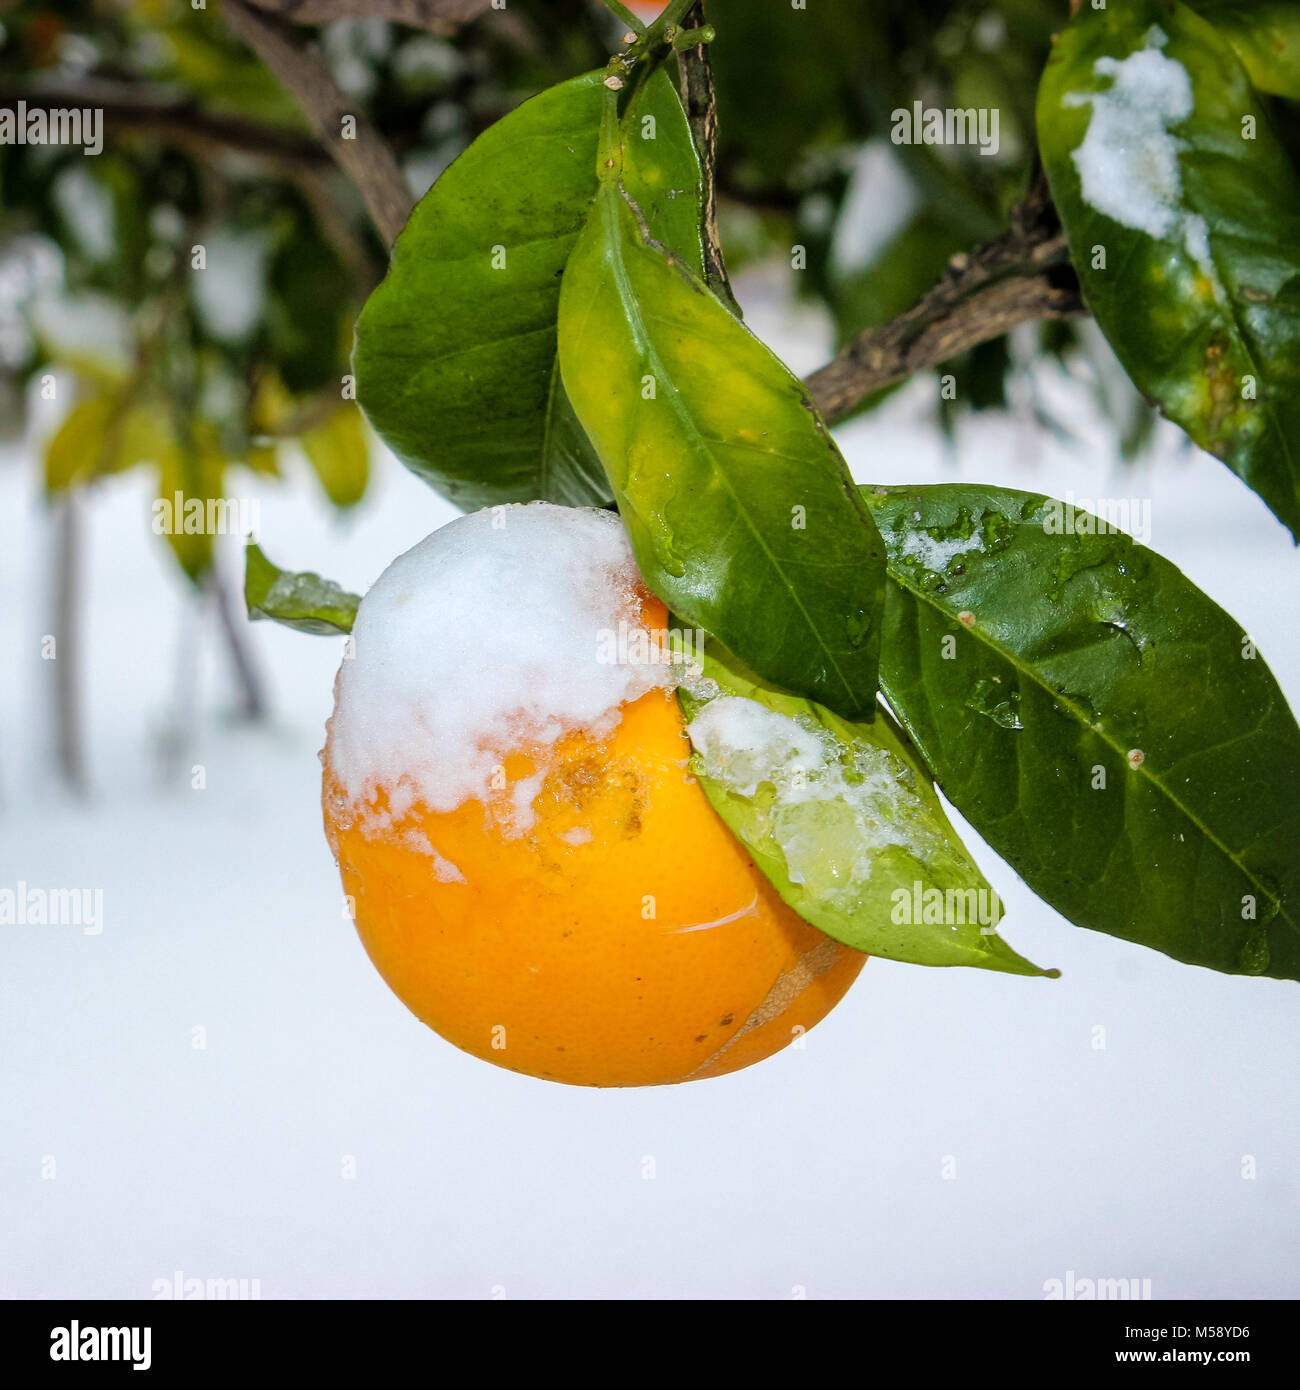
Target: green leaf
188,478
740,510
103,435
337,452
772,110
1105,726
78,447
455,355
1266,36
306,304
304,602
843,820
1145,124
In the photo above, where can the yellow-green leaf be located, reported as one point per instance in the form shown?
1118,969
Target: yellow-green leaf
742,514
337,452
188,481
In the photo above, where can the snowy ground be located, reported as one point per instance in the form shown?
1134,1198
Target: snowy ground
128,1153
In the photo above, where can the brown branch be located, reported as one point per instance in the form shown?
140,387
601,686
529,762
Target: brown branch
1019,277
699,97
134,108
438,16
365,157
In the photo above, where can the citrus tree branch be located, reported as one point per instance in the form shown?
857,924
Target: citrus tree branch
438,16
352,142
699,97
1019,277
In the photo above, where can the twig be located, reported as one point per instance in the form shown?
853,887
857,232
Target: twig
438,16
1020,276
699,97
365,157
128,108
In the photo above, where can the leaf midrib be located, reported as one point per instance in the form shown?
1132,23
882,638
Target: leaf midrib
610,209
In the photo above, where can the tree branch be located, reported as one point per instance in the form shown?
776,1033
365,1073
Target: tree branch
438,16
136,108
699,97
365,157
1020,276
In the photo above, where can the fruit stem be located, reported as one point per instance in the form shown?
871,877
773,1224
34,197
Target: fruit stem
626,16
627,70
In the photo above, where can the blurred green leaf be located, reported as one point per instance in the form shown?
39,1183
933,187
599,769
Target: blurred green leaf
106,434
1266,35
788,80
338,453
79,446
263,459
306,312
190,478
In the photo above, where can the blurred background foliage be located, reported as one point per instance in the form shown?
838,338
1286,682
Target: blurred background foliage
200,375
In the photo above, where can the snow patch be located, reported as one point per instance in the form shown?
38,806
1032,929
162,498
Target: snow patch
881,200
833,807
937,555
1128,160
479,642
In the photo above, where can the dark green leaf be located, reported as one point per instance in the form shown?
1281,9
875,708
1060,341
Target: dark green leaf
1162,160
843,820
305,602
772,108
1106,727
455,354
305,310
742,514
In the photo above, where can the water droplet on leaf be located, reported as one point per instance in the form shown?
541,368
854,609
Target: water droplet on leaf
1255,954
993,702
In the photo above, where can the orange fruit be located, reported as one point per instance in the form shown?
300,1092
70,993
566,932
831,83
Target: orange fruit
624,938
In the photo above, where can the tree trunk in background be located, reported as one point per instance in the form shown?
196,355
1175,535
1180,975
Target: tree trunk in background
69,750
234,628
